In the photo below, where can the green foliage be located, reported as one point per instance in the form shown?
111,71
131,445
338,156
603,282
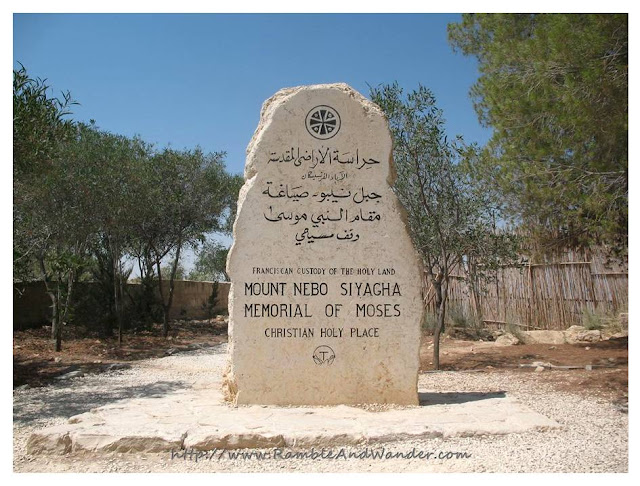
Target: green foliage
451,222
105,168
598,320
449,218
462,319
85,199
51,231
39,126
188,194
211,263
554,88
39,132
180,271
591,320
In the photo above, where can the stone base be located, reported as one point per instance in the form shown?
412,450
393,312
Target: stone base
200,419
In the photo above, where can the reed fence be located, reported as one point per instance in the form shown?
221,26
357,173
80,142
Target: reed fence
546,295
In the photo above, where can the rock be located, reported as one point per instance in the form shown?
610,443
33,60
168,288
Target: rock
196,418
542,364
575,328
578,334
57,359
544,337
539,369
53,440
587,348
71,374
333,244
592,336
118,366
507,339
571,334
588,367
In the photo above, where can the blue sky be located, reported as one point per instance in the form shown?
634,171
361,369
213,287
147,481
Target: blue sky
200,79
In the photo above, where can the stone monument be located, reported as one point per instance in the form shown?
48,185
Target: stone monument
325,302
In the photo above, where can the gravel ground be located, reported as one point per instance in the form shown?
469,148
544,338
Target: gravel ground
594,436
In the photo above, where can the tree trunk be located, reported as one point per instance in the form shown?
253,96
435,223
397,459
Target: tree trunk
436,345
475,290
165,322
439,324
118,300
165,312
62,313
115,262
121,294
56,325
172,278
120,320
441,287
57,329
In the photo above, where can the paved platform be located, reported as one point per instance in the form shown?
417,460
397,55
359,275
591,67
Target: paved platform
197,417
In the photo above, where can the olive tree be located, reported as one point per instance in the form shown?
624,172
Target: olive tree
111,176
49,233
450,221
40,129
189,195
61,238
211,263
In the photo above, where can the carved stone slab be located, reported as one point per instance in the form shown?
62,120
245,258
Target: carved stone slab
325,303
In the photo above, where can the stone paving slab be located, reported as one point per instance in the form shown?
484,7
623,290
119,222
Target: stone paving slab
197,417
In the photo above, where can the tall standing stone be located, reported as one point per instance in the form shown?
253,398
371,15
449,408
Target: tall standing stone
325,303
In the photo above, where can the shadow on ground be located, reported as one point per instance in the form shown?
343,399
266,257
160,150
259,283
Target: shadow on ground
456,398
55,402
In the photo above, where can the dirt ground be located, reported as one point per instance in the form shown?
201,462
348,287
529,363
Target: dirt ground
36,364
608,377
591,405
